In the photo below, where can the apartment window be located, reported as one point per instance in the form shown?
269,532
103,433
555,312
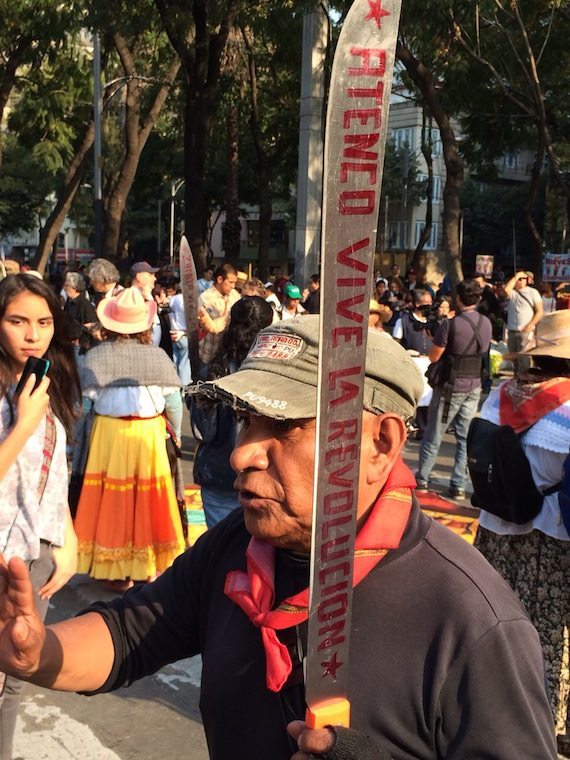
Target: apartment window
511,160
436,186
431,243
398,235
436,147
277,236
404,137
437,189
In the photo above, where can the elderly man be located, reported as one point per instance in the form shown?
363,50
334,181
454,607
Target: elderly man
80,311
444,662
104,278
143,277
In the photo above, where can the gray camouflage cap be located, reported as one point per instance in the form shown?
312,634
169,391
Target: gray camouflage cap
278,377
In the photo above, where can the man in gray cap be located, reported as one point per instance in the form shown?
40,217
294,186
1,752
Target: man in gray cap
443,661
143,277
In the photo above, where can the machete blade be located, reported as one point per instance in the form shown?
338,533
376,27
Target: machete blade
355,139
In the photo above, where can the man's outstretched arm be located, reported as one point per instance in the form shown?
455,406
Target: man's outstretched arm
74,655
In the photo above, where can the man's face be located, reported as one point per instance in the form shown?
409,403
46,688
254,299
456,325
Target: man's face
292,303
424,303
144,280
521,283
274,462
443,309
226,286
101,287
70,290
208,274
313,286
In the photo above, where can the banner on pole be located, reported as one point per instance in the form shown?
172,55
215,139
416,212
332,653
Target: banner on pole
484,264
556,267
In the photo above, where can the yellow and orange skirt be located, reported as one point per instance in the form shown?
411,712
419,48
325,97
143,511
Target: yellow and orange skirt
127,524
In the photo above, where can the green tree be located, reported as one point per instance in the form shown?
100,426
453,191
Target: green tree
198,33
522,54
141,71
30,32
51,110
24,186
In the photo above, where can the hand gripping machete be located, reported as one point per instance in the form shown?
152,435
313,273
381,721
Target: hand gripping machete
355,137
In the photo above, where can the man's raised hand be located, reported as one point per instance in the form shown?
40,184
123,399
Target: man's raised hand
22,632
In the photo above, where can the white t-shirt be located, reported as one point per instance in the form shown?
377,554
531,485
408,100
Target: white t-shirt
521,307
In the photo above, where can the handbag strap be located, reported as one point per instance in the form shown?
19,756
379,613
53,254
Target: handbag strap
48,449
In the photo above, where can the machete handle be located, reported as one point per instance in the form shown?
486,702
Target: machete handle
333,712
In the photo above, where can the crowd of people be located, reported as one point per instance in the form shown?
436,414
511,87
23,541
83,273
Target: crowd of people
113,402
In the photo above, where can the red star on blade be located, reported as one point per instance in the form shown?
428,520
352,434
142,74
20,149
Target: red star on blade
331,666
376,12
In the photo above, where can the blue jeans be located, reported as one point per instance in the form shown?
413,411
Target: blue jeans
217,503
181,360
462,409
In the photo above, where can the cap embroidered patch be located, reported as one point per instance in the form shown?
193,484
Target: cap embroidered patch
276,346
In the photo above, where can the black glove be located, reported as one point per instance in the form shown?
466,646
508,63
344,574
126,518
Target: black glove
351,745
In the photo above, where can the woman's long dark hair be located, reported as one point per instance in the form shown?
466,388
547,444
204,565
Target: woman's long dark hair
249,315
64,390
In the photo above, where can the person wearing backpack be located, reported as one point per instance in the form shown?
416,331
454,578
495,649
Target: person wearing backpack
534,557
459,345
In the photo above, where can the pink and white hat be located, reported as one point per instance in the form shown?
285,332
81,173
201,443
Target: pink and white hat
127,313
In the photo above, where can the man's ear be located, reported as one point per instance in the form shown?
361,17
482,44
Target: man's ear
386,438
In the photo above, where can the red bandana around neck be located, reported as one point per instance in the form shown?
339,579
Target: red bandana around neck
254,590
523,404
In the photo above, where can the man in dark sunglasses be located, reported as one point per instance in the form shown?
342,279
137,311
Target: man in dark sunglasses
524,311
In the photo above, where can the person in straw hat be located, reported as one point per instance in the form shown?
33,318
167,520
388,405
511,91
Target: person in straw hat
127,522
535,557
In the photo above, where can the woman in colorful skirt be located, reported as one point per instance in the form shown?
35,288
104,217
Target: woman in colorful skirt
535,557
128,524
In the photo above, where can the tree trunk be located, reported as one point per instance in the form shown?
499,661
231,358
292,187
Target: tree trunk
232,228
418,259
201,63
531,197
262,167
424,81
54,222
137,130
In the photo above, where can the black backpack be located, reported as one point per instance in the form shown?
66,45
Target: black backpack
500,473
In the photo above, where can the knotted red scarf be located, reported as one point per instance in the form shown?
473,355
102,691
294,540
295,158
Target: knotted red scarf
254,590
522,404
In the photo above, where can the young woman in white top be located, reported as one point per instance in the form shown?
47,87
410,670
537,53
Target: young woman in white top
35,523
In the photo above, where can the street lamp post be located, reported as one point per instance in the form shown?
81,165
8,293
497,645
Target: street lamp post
174,188
97,112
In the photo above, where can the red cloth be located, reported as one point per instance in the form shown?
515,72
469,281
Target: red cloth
254,590
522,404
